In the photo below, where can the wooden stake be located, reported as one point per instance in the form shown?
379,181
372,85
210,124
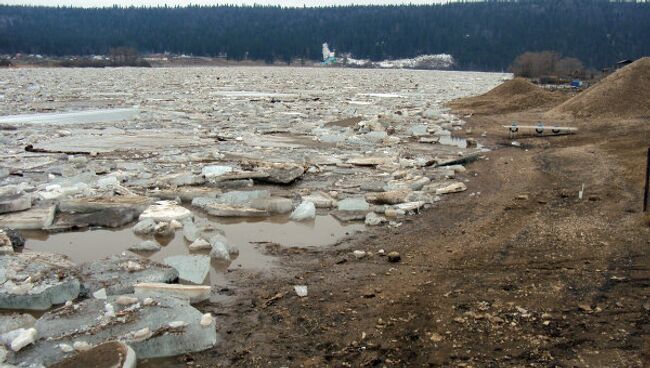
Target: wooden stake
647,183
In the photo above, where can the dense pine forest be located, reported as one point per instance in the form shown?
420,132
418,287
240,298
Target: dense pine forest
480,35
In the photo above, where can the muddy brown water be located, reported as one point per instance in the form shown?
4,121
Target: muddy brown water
249,235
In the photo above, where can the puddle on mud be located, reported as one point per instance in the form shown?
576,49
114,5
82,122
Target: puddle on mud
247,234
73,117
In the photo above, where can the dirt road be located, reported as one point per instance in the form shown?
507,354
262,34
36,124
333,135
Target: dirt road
516,271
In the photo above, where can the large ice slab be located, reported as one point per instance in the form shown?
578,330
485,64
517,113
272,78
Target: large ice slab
36,281
72,117
118,274
159,327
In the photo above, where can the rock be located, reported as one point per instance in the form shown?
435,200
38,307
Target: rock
15,203
36,281
144,227
146,329
19,338
200,244
193,293
304,211
165,211
215,170
33,219
372,219
301,290
320,200
10,322
393,257
353,204
145,246
175,224
113,274
112,354
192,269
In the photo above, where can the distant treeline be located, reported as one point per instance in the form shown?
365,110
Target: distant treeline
480,35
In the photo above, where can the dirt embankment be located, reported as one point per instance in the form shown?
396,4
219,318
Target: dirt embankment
517,271
512,96
624,94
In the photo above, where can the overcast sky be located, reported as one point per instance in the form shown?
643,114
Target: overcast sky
95,3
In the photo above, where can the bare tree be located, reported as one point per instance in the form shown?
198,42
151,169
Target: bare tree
570,67
535,64
545,64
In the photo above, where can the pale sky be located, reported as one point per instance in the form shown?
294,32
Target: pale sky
291,3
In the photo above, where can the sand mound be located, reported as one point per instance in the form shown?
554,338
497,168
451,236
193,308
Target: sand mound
514,95
624,94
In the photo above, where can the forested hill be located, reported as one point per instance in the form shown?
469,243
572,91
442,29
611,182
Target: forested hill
482,36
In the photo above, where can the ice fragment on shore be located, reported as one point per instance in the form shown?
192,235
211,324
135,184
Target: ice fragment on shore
304,211
192,268
301,290
165,211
